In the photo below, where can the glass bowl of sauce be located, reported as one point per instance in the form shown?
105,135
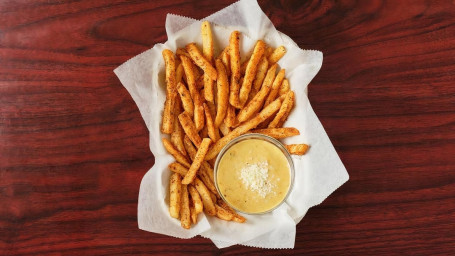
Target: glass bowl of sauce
254,173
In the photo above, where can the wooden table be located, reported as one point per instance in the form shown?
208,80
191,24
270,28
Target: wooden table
74,148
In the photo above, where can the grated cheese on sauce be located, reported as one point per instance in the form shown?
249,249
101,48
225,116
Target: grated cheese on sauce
255,177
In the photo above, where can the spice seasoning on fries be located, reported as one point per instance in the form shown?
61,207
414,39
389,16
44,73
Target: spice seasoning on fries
205,111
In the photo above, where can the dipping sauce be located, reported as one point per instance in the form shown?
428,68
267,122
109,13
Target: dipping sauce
253,176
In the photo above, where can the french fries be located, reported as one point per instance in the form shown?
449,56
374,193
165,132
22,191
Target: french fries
278,133
175,195
234,55
169,105
175,153
297,149
250,72
211,101
197,161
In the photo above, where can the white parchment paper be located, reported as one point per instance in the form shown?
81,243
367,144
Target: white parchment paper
318,173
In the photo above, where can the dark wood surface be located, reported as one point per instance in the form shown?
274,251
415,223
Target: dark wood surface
74,148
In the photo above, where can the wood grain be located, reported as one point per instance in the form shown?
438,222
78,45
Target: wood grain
74,148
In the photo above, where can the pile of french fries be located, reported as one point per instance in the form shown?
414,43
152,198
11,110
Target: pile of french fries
209,102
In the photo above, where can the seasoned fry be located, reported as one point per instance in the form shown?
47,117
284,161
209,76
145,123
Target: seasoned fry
256,103
185,97
189,73
278,133
211,129
225,58
268,51
262,71
207,41
171,93
185,220
222,97
234,54
230,119
224,129
251,69
288,111
244,128
178,133
223,214
179,73
285,87
200,61
179,157
193,214
277,54
198,111
297,149
236,216
182,51
195,198
190,128
275,87
178,168
175,195
287,103
200,83
209,205
208,88
198,158
189,147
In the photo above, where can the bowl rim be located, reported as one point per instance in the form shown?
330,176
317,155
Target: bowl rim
269,139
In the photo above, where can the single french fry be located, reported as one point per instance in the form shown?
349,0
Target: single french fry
167,124
223,214
207,41
251,69
224,129
200,83
277,54
275,87
190,128
268,111
200,61
234,54
178,168
175,195
262,71
193,214
288,111
211,129
198,111
287,103
230,119
297,149
182,51
268,51
236,217
185,219
222,93
198,158
225,58
178,133
205,172
208,88
278,133
179,157
285,87
190,74
195,198
209,205
179,73
185,96
256,103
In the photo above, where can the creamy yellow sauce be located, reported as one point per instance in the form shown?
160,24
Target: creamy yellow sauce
253,176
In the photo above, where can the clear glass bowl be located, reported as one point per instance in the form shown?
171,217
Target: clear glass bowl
273,141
